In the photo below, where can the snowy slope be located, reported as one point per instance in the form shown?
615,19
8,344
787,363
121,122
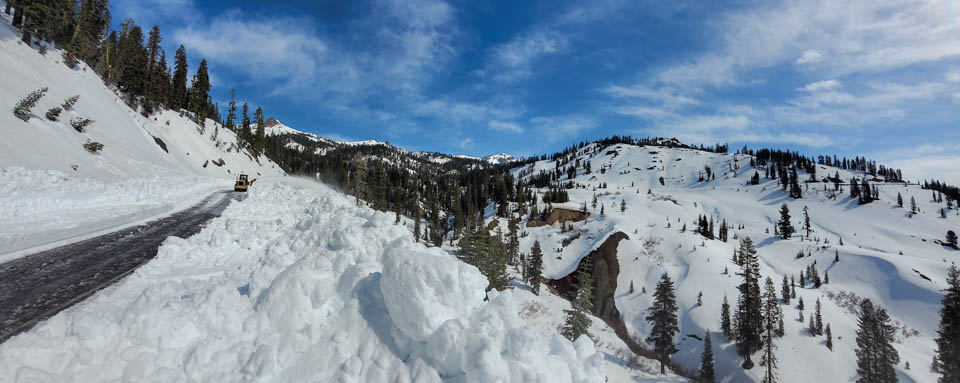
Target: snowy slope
131,149
55,190
297,283
870,266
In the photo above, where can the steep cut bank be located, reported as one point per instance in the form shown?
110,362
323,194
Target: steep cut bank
605,269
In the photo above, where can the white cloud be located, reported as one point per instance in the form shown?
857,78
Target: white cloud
393,51
514,60
821,85
809,56
666,96
563,128
465,143
862,36
462,111
953,76
644,112
505,126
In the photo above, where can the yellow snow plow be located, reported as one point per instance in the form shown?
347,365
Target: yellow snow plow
242,183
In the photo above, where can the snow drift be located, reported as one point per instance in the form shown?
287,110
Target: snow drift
297,284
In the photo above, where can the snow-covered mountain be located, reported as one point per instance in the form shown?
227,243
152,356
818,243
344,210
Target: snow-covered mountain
499,158
885,253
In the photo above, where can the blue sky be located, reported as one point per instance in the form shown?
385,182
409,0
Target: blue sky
878,78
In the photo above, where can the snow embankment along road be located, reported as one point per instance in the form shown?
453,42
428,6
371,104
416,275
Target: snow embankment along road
37,286
40,210
297,283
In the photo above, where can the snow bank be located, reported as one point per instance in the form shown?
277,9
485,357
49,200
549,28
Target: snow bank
44,206
296,284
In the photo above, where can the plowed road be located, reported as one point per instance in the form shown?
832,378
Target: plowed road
38,286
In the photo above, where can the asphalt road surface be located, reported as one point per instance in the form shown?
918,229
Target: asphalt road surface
38,286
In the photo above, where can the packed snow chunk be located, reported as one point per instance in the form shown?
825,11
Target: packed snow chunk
422,291
495,345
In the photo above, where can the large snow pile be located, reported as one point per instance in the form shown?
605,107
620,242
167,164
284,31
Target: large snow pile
40,207
297,284
135,146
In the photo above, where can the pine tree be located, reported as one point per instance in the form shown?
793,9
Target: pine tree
22,109
535,268
725,319
416,224
771,317
913,205
951,238
707,374
662,316
812,326
578,321
818,322
947,359
200,93
623,205
876,356
245,127
793,288
749,317
93,20
784,226
899,200
829,337
806,220
260,143
601,210
493,264
178,91
785,291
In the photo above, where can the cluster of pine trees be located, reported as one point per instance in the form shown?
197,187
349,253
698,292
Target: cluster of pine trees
129,59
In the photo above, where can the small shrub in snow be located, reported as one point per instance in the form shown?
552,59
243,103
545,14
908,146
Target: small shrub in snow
22,109
54,113
68,104
80,124
93,146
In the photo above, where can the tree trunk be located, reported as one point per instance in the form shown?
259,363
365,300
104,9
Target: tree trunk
18,17
663,369
27,38
7,9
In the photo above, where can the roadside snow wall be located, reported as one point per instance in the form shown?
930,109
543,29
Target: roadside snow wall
296,284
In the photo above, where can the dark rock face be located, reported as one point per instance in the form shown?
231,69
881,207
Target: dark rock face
605,272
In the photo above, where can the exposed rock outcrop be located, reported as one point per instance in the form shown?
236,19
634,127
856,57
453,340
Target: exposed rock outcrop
606,268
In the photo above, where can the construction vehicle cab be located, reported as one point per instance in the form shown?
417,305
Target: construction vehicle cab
242,183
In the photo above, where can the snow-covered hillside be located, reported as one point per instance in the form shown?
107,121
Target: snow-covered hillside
134,146
884,254
55,190
297,283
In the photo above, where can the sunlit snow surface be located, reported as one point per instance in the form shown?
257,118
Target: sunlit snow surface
297,284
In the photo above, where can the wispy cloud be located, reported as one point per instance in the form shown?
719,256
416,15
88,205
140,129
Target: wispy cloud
566,128
503,126
809,56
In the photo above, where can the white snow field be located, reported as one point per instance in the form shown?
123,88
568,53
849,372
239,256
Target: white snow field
54,190
871,264
297,284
